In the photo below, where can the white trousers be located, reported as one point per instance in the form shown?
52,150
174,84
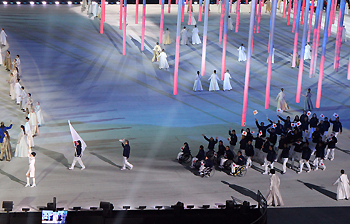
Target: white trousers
284,166
222,161
75,160
249,161
126,163
279,152
301,162
263,156
295,155
329,151
233,166
319,162
179,155
267,165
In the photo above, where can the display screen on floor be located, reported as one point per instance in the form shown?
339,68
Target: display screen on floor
53,217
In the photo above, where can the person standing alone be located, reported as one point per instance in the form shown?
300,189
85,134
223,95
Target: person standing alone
77,156
126,154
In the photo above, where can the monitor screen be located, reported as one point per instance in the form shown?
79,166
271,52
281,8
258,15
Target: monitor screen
58,217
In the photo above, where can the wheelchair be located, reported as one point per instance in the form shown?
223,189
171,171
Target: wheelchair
207,171
240,171
185,158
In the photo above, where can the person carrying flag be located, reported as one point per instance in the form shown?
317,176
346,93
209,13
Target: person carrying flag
77,156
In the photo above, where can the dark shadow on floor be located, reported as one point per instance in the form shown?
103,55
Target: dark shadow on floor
59,157
320,189
105,159
242,190
13,178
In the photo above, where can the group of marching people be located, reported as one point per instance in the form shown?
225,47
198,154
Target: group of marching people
214,82
33,116
295,140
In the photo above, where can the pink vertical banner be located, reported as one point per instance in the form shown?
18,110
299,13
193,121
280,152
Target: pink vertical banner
177,48
249,56
103,12
295,14
121,15
302,12
169,5
331,17
217,2
143,25
160,2
318,17
323,55
238,11
161,23
205,35
189,12
310,20
289,10
223,61
296,35
221,21
177,2
183,13
200,10
259,15
302,53
137,12
269,59
349,69
339,34
124,28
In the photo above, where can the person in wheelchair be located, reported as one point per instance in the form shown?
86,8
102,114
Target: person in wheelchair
206,166
227,158
241,161
199,157
185,150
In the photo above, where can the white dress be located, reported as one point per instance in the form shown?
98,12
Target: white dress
281,103
18,66
282,6
163,63
214,82
39,115
33,123
28,130
227,84
3,37
1,62
31,169
12,83
346,8
89,11
184,39
230,24
95,9
195,36
241,54
343,190
274,196
18,92
197,83
343,39
22,149
307,54
273,57
193,20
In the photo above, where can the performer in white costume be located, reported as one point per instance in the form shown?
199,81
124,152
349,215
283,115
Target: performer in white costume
281,103
193,20
184,38
273,56
214,82
227,84
167,36
22,148
18,66
230,23
307,54
344,39
156,52
343,190
347,8
33,122
12,82
241,54
197,83
27,128
23,98
163,63
31,170
18,92
3,37
195,36
274,196
39,115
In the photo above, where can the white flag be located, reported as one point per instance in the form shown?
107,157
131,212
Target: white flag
76,137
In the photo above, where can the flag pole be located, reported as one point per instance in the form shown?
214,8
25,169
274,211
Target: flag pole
177,51
223,63
205,32
143,25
